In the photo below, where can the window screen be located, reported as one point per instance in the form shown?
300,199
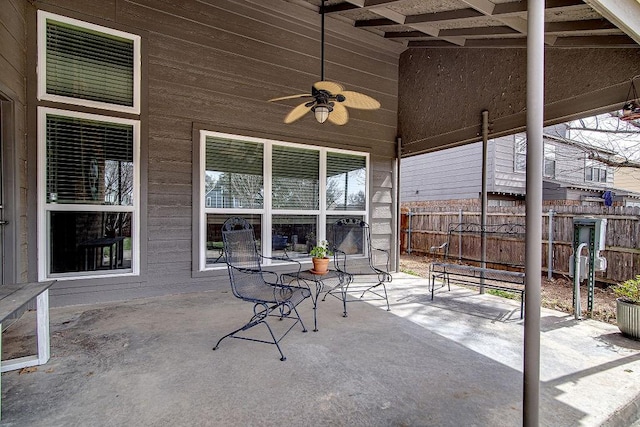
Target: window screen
90,65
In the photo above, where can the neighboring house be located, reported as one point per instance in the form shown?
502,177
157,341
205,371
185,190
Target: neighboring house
570,176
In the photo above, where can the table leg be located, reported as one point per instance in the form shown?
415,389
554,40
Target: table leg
319,285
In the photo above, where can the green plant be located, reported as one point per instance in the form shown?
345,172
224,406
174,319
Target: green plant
629,290
320,251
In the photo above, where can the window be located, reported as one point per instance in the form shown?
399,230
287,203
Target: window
520,153
549,161
85,64
595,171
88,201
520,156
289,192
346,179
88,164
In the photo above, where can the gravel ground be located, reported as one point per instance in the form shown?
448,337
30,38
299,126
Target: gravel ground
556,293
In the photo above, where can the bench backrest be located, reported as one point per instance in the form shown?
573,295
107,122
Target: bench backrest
505,243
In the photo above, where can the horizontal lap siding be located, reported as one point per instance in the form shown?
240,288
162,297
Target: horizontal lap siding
13,48
214,64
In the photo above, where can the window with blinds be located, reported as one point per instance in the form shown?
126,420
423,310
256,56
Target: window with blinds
296,181
234,174
89,162
92,65
346,182
280,186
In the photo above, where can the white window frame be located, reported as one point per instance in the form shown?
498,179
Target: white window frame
44,208
267,212
593,165
518,138
549,155
42,94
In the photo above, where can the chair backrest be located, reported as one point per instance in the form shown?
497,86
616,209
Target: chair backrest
351,236
242,258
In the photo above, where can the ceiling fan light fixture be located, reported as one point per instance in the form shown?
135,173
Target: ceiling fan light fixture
321,112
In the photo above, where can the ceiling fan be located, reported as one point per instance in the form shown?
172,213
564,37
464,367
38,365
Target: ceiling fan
329,100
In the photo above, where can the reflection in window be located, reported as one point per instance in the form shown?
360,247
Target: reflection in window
294,233
349,240
89,241
214,254
346,181
295,178
233,176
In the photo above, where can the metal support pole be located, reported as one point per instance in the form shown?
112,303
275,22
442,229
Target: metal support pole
550,247
483,197
533,252
398,208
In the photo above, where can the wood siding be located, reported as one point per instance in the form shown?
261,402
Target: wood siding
13,70
213,65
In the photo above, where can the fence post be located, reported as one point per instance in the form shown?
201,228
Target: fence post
460,236
409,233
550,247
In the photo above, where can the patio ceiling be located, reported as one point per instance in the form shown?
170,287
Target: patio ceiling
490,23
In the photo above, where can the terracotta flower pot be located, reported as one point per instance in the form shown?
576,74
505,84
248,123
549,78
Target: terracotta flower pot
628,318
320,265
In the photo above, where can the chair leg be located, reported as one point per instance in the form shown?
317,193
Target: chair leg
260,316
385,293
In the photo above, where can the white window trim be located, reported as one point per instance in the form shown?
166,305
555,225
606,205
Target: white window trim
519,138
42,64
44,207
267,211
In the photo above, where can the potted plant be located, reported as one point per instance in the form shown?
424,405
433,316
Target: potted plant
320,256
628,307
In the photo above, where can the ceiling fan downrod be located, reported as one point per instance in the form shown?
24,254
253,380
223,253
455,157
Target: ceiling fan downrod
322,41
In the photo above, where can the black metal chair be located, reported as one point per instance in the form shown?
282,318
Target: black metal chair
249,282
352,236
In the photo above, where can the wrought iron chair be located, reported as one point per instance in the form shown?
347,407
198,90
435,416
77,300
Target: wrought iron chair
351,236
251,283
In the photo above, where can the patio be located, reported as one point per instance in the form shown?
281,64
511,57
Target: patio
453,361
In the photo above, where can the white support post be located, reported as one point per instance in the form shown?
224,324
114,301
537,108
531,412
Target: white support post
533,252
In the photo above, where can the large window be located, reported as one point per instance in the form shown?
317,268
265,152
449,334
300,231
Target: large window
88,164
88,181
289,192
85,64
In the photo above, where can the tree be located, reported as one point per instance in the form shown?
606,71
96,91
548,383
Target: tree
609,132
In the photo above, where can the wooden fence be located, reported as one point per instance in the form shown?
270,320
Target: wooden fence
423,228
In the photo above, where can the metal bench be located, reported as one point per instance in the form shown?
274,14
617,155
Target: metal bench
502,270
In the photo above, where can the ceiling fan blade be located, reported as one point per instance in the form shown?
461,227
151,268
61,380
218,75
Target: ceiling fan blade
302,95
359,100
330,87
339,116
297,113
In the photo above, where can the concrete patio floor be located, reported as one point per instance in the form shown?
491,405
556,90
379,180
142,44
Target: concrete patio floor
454,361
